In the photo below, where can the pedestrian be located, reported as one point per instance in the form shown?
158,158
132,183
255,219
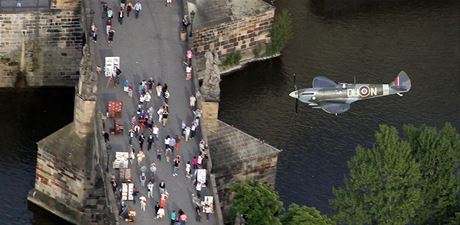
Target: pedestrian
207,211
185,22
173,217
143,202
129,8
183,219
130,136
192,102
159,154
166,95
160,114
159,89
109,13
183,129
142,178
176,164
122,4
187,133
168,3
140,157
155,132
192,131
160,213
198,213
135,192
188,72
200,159
195,163
177,142
126,86
94,32
198,189
150,189
110,37
108,26
162,186
149,142
141,141
188,56
167,140
172,143
130,90
156,208
165,88
153,168
188,169
106,136
120,16
147,98
130,157
137,130
163,199
137,8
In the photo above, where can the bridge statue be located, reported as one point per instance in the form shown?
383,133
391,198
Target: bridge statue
210,90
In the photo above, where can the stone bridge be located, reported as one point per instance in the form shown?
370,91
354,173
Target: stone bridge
74,171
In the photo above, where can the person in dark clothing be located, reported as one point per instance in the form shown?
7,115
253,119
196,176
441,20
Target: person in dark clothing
141,140
120,16
149,142
157,207
106,136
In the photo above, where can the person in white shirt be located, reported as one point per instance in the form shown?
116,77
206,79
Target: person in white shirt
188,169
192,102
147,98
160,213
150,189
155,131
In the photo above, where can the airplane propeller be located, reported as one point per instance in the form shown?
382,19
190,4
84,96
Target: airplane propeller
297,99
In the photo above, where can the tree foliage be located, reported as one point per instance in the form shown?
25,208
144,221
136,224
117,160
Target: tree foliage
412,180
304,215
438,153
280,32
383,184
259,204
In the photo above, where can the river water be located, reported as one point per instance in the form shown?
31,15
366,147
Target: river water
372,42
26,116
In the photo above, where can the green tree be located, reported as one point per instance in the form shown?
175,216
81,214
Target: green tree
438,153
280,32
258,202
383,184
304,215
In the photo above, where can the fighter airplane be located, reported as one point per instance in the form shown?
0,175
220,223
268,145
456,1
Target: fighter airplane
336,98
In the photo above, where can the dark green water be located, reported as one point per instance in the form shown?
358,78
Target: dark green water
26,116
340,39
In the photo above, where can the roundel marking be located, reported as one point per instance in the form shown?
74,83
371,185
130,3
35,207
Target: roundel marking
364,91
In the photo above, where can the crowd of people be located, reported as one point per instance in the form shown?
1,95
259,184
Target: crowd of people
148,123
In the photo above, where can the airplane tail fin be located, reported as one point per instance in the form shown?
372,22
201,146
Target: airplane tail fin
401,83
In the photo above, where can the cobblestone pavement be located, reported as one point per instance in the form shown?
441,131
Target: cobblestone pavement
150,47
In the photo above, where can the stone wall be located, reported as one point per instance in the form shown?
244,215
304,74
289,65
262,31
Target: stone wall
262,169
63,173
238,156
45,44
242,34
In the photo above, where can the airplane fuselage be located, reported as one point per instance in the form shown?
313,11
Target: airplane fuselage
344,93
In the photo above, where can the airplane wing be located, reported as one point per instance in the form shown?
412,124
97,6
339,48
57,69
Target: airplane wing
334,107
321,81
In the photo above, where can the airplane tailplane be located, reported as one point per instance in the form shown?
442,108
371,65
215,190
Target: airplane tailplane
401,83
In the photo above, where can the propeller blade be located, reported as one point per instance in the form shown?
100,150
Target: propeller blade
296,105
295,84
297,99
